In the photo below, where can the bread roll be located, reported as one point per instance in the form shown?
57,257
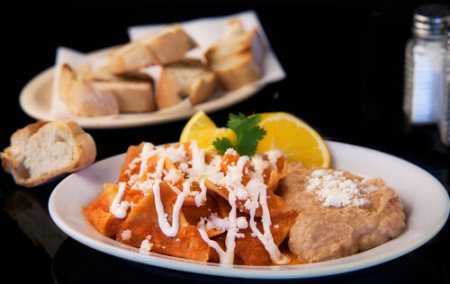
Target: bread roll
44,150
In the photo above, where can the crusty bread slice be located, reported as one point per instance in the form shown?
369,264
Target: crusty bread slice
165,47
131,57
202,87
238,56
66,80
85,100
170,44
185,78
133,91
95,93
233,40
44,150
237,70
81,98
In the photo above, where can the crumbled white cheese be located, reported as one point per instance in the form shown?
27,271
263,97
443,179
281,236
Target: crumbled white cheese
250,204
334,189
132,181
240,235
175,155
201,197
259,165
241,193
183,167
198,161
231,151
242,222
212,170
273,156
215,222
132,165
233,177
125,235
157,175
146,247
172,176
144,186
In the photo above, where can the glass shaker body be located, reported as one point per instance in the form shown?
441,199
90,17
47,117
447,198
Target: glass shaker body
424,79
444,125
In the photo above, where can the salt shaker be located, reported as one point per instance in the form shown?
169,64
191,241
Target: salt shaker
444,124
425,65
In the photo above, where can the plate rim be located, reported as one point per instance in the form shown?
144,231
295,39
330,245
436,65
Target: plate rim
240,271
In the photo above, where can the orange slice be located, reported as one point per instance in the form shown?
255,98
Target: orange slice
295,138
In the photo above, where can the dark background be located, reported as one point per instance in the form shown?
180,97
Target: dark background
343,60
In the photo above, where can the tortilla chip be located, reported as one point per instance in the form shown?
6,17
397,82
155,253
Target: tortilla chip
98,212
142,221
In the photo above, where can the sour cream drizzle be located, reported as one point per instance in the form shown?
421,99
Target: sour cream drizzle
254,193
166,228
226,256
119,208
201,197
266,238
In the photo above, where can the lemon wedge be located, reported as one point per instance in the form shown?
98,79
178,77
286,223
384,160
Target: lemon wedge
203,130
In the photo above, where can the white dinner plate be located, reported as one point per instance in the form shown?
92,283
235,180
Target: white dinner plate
426,203
36,96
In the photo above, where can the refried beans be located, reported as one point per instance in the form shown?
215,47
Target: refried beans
339,213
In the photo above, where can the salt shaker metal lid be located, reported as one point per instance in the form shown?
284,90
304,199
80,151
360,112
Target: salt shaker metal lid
430,20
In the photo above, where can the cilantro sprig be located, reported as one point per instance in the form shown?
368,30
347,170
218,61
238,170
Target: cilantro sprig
248,134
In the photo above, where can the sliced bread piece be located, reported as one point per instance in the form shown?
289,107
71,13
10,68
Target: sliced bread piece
131,56
133,91
95,93
171,44
186,78
165,47
44,150
66,80
233,40
237,70
237,58
80,96
85,100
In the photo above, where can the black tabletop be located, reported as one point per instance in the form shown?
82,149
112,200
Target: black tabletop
344,65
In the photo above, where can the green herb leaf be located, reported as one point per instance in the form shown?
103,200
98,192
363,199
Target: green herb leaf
222,144
248,134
